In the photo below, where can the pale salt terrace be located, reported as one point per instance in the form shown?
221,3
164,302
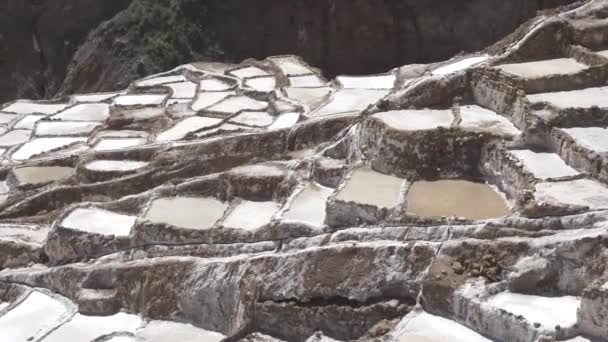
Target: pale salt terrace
186,212
249,215
214,84
12,138
121,134
367,82
548,311
309,204
6,118
480,119
140,100
165,331
182,90
93,97
419,326
256,119
235,104
415,120
43,145
206,99
88,328
115,165
33,175
34,317
290,66
99,221
24,107
285,120
306,81
108,144
544,165
149,82
85,112
309,97
460,65
367,186
28,121
248,72
60,128
583,98
583,192
593,138
262,84
350,100
191,124
538,69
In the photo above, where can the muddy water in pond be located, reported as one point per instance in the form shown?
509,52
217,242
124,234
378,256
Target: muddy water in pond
186,212
39,175
455,198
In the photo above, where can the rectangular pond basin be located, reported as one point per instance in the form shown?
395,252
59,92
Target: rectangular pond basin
306,81
235,104
182,128
38,314
99,221
593,138
583,98
23,107
85,112
186,212
140,100
350,100
544,165
290,66
423,327
538,69
453,197
206,99
59,128
367,82
416,120
249,215
34,175
309,204
367,186
583,192
118,143
43,145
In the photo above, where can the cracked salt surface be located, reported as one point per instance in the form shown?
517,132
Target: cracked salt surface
186,212
309,204
593,138
537,69
583,98
548,311
367,186
34,317
87,328
85,112
251,215
544,165
99,221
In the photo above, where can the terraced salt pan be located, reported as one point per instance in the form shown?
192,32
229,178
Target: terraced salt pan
43,145
415,120
458,198
115,165
309,97
6,118
182,90
481,119
59,128
41,174
593,138
538,69
548,311
186,212
88,328
285,120
350,100
583,98
257,119
262,84
117,144
584,192
94,97
161,80
99,221
165,331
35,316
23,107
15,137
367,186
308,205
140,100
85,112
247,72
250,215
306,81
121,134
182,128
544,165
207,99
235,104
367,82
214,84
424,327
290,66
28,121
460,65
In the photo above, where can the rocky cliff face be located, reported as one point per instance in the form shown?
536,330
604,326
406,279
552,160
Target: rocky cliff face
45,49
